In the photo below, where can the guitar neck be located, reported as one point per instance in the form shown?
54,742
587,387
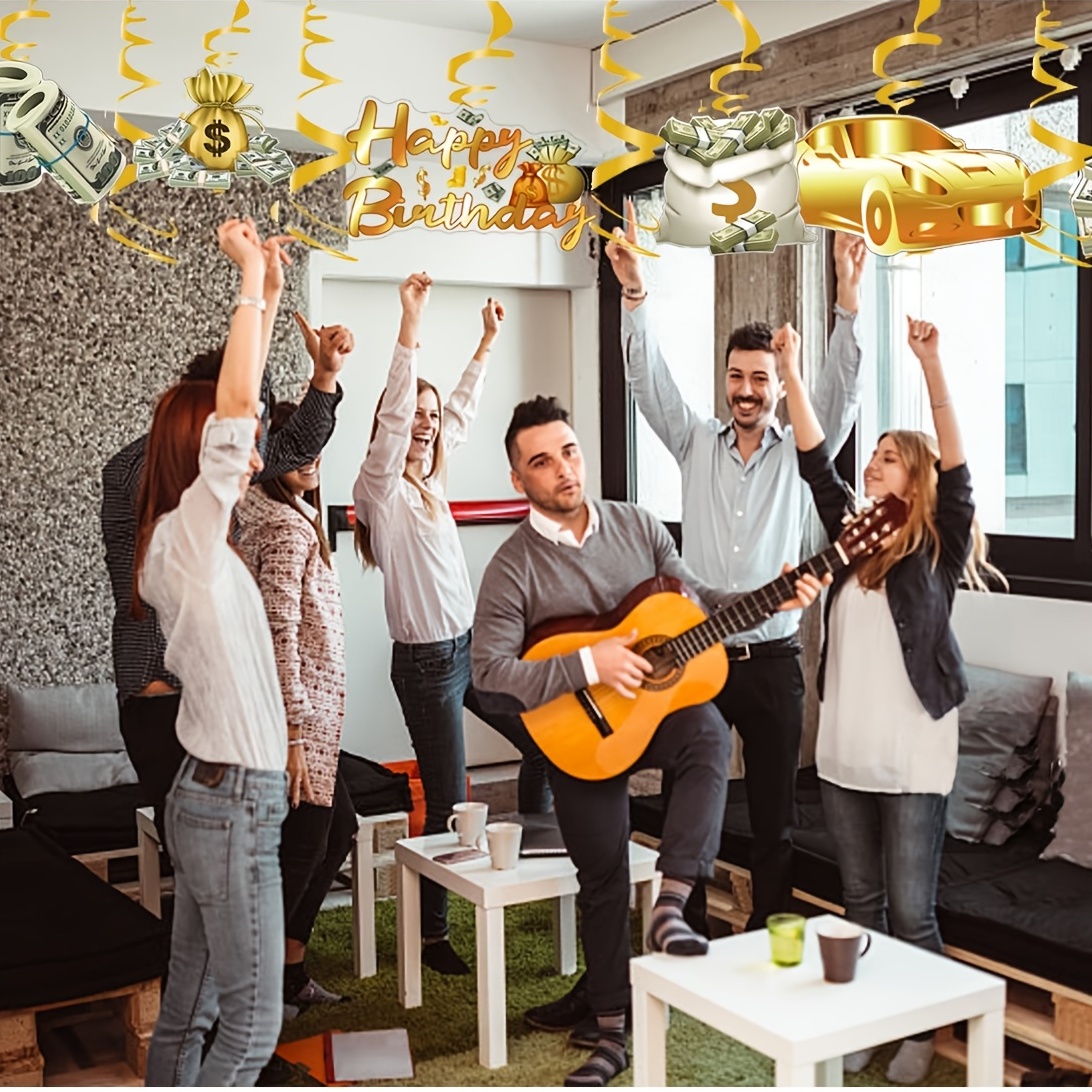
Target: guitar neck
746,612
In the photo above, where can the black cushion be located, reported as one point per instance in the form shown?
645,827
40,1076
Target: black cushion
1001,902
67,934
82,822
373,788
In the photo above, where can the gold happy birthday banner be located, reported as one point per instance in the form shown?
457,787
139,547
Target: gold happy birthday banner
1075,152
340,150
751,42
29,12
880,55
502,24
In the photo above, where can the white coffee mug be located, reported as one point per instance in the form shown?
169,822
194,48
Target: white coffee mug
468,821
504,841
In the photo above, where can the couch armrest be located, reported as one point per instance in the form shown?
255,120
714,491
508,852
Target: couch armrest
6,818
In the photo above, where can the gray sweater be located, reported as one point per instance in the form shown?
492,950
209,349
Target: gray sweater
532,580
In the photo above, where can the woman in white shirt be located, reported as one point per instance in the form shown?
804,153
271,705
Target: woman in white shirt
229,799
405,528
891,674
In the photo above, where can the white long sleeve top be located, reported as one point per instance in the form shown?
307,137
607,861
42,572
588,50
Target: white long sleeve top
211,612
427,592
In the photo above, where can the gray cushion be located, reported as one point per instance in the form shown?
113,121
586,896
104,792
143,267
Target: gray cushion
1001,715
36,772
1072,841
64,718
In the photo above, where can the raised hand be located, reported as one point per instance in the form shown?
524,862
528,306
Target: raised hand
239,240
492,318
850,254
327,347
625,262
923,339
785,344
619,666
414,294
276,258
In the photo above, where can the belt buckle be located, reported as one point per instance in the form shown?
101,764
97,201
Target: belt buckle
745,649
209,774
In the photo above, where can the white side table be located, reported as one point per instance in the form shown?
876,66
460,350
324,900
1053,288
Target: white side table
807,1024
148,861
365,859
491,890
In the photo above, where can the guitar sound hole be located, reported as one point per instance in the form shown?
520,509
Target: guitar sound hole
664,665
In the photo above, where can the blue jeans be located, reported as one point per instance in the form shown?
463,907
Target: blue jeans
227,942
433,685
889,847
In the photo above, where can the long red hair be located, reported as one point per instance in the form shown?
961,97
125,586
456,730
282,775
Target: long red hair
170,462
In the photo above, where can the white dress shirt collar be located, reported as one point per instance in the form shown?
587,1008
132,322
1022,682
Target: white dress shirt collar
555,532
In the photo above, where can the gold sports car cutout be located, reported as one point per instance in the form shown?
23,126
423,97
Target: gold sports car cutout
904,184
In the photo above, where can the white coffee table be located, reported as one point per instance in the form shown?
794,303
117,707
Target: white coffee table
807,1024
491,890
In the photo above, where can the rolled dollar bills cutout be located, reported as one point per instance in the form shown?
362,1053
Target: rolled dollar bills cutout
20,168
67,141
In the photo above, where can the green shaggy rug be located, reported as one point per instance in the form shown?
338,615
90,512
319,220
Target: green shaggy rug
443,1032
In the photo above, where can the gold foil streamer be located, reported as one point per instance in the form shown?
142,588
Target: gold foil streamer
122,125
880,55
623,242
162,233
502,24
751,42
340,150
314,243
213,60
132,244
29,12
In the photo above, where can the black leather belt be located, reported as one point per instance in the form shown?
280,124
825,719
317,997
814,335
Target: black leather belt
782,646
209,774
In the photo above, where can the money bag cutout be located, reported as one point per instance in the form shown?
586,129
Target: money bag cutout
530,186
731,184
219,126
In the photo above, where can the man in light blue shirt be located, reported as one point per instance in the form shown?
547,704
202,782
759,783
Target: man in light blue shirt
744,507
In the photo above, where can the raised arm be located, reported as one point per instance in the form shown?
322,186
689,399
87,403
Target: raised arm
462,406
838,388
654,390
924,341
385,461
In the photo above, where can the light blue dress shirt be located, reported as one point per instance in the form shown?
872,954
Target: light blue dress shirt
740,521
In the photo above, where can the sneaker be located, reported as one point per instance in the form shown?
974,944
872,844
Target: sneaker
314,994
289,1012
564,1013
586,1033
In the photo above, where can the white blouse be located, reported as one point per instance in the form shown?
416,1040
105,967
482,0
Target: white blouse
427,590
874,733
211,612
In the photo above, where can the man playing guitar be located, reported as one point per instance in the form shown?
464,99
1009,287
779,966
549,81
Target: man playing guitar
570,557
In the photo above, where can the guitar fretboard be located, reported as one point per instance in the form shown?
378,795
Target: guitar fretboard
744,613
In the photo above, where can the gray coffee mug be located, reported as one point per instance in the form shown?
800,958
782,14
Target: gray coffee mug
840,946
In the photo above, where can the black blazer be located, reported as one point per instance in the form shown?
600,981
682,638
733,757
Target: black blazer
920,596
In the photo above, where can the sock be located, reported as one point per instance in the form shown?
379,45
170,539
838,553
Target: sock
858,1060
911,1063
608,1059
295,978
669,931
441,957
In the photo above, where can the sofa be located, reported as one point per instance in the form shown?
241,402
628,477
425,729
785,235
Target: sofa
1021,906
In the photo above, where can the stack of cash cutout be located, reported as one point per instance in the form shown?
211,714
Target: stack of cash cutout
1080,198
166,158
709,139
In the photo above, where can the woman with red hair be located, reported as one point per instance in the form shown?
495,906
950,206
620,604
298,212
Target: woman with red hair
229,799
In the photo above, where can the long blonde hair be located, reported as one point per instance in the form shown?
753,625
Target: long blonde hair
362,535
919,454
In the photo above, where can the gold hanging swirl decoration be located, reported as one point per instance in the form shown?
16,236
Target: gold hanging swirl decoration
29,12
502,24
880,55
751,42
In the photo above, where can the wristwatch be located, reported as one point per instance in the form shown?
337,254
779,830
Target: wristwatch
250,301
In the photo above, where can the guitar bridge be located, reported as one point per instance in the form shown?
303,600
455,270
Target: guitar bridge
595,714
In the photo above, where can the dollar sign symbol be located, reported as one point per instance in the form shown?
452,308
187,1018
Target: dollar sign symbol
216,131
746,199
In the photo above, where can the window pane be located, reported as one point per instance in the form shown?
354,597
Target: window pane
1007,316
681,285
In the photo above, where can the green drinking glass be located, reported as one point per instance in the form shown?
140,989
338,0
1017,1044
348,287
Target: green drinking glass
786,938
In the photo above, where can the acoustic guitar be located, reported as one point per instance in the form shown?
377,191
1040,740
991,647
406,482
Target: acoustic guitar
596,733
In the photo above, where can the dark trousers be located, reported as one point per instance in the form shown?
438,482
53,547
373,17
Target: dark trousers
764,700
433,685
593,816
315,841
148,729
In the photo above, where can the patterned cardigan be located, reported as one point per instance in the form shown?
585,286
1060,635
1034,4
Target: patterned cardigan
302,598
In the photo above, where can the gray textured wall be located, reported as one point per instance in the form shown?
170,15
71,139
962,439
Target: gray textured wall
91,334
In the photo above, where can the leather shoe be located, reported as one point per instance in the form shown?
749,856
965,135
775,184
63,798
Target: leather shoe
564,1013
586,1033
